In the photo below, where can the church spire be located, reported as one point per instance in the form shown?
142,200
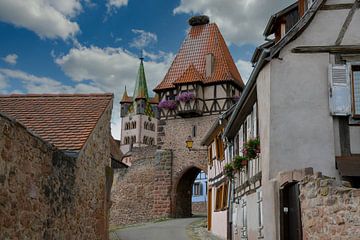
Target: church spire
125,98
141,91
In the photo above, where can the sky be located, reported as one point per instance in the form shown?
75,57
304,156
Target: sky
93,46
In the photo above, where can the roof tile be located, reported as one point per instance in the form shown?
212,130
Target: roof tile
65,120
202,40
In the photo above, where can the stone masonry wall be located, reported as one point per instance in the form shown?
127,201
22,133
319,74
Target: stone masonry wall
199,208
329,210
172,134
141,192
46,194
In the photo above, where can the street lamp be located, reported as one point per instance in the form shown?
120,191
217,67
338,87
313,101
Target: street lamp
189,143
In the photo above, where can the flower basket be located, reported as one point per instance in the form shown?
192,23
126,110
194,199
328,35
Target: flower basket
185,97
167,104
252,148
229,170
240,162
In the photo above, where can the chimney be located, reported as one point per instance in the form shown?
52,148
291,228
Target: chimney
209,64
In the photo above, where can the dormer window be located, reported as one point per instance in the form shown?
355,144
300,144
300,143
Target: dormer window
209,64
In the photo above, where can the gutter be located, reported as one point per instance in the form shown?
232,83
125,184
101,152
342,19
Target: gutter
251,82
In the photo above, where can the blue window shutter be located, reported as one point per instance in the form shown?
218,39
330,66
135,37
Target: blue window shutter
339,90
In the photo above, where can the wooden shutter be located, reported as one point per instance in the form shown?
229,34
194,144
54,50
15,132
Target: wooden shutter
241,140
210,154
221,149
339,90
248,130
255,130
217,143
225,196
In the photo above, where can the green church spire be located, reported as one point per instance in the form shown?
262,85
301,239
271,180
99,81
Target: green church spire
141,91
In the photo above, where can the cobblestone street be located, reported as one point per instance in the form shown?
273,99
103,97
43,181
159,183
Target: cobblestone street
174,229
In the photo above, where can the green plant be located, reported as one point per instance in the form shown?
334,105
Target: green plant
252,148
239,162
229,170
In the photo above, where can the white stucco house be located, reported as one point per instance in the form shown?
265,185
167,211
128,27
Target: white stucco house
302,102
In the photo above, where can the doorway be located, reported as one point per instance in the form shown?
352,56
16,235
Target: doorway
290,213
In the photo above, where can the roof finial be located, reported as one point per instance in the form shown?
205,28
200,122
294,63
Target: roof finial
141,55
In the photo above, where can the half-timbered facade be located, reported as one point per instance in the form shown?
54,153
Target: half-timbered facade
219,185
203,79
304,90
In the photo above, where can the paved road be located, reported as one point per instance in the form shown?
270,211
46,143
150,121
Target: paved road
174,229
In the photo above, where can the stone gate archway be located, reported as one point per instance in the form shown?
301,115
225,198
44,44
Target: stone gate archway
182,192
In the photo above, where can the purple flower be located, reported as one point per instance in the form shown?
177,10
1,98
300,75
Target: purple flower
167,104
185,97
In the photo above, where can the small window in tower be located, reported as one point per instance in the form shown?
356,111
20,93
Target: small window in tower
194,131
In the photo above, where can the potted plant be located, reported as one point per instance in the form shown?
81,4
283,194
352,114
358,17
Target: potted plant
185,97
167,104
240,162
229,170
252,148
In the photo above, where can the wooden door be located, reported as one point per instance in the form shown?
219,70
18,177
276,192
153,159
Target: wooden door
209,208
290,221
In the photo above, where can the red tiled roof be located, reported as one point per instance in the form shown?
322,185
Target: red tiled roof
203,40
65,120
190,75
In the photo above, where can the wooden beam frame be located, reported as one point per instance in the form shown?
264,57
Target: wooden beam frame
328,49
340,6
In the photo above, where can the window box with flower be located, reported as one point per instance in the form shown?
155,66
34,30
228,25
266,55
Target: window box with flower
167,104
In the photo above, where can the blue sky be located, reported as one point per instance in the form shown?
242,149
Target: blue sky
84,46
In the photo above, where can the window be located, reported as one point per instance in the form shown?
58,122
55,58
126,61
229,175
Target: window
221,197
219,148
197,189
194,131
344,90
243,218
355,81
260,213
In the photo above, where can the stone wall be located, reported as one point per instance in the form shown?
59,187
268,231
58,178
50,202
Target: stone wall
199,208
47,194
172,134
141,192
329,210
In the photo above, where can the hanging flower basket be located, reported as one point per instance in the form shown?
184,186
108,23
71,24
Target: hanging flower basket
185,97
167,104
229,170
252,148
240,162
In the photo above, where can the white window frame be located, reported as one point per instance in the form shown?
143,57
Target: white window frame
260,213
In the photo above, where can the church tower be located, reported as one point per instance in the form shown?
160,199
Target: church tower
139,115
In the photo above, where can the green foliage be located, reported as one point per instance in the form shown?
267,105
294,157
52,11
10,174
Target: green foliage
252,148
239,162
229,170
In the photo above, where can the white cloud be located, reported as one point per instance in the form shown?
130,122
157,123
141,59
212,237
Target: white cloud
111,69
245,68
11,58
113,4
241,21
3,83
47,18
143,39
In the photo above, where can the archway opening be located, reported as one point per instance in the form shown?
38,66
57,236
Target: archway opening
184,192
